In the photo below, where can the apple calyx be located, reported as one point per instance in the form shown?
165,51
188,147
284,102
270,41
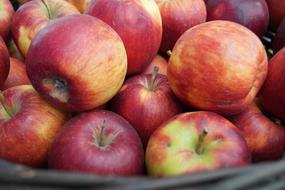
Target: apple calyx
57,88
200,149
151,85
101,139
48,9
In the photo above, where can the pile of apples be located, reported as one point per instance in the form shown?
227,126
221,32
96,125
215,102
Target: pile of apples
141,87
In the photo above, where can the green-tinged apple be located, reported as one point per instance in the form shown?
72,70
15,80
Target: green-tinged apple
77,63
4,62
265,139
79,4
252,14
138,22
33,16
195,142
28,126
98,142
158,61
276,12
217,66
146,101
14,51
177,17
17,75
6,15
273,90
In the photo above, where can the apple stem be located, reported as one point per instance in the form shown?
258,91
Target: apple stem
169,52
199,149
47,7
153,77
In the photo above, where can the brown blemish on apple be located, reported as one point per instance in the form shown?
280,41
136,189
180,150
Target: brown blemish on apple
56,88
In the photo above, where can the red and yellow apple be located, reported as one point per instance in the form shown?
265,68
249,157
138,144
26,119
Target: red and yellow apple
77,63
273,90
28,126
98,142
276,12
17,75
159,62
4,62
265,139
195,142
217,66
6,15
138,22
146,101
252,14
33,16
79,4
177,17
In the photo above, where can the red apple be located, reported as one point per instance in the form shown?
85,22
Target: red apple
14,51
273,90
252,14
23,1
79,4
99,142
6,14
17,75
195,142
177,17
146,101
4,62
217,66
266,140
276,12
158,61
279,39
138,22
65,69
28,126
33,16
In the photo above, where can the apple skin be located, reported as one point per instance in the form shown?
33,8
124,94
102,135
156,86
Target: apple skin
279,39
158,61
272,92
265,139
14,51
252,14
28,126
79,4
82,146
177,17
146,103
217,66
178,148
4,62
7,13
276,12
64,68
23,1
138,22
33,16
17,75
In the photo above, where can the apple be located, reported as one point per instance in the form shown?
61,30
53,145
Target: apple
4,62
28,126
14,51
146,101
77,63
158,61
6,14
279,39
217,66
177,17
195,142
17,75
23,1
138,22
99,142
33,16
276,12
272,92
252,14
79,4
265,139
